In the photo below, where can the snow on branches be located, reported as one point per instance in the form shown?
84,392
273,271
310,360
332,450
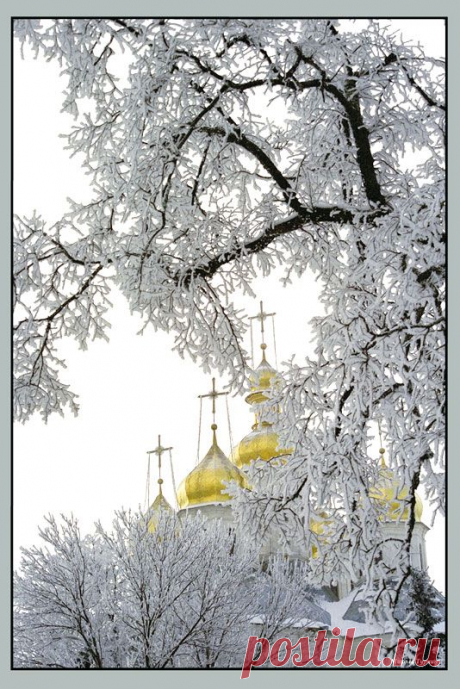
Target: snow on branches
195,185
218,148
184,596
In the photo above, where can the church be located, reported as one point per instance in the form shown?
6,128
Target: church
204,491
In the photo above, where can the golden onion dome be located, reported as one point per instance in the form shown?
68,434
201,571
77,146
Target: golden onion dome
389,492
204,485
159,505
261,443
263,379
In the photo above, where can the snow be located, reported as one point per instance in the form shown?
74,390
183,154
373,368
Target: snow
338,609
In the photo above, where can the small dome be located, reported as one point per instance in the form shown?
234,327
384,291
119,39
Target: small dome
206,482
263,379
261,443
159,505
388,491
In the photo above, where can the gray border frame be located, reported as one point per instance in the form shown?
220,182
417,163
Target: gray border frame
44,679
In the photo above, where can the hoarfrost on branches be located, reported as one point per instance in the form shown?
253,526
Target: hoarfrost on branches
185,596
225,147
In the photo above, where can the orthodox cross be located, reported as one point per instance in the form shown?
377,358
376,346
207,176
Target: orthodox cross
262,316
157,451
213,395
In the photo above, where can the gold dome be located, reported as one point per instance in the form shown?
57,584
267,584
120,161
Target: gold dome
389,492
261,443
160,504
206,482
264,378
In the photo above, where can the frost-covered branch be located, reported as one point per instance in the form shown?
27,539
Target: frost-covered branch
218,149
184,596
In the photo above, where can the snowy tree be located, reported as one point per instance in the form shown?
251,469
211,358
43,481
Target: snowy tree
184,596
426,608
60,599
426,603
218,149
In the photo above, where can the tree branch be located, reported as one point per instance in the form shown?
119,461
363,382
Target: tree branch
421,91
279,229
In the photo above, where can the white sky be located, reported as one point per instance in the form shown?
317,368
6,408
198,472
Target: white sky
135,387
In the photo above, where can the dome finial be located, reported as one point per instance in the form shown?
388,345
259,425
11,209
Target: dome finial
158,451
262,317
214,436
263,347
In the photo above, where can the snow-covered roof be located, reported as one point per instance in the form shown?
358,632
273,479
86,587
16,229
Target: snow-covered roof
348,610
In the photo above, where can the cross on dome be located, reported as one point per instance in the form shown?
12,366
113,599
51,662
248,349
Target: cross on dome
213,394
262,316
158,451
206,484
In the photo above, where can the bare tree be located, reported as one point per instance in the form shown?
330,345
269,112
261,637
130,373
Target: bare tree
185,596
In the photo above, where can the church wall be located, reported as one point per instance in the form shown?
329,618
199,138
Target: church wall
397,531
211,511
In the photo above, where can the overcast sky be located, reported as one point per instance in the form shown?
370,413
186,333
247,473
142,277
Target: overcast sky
135,387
